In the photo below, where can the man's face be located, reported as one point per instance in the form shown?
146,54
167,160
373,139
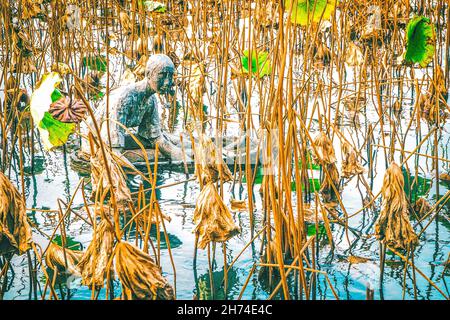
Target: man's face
162,81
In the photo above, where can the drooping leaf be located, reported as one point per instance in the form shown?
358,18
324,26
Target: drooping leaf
97,63
259,63
420,41
306,11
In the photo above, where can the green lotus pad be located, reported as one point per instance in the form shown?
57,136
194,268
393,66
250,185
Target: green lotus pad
420,41
259,64
306,11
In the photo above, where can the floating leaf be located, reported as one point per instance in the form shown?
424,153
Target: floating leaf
259,64
420,41
70,242
306,11
53,133
312,229
97,63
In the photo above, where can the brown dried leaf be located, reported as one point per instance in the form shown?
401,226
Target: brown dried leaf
15,232
393,226
55,260
100,182
93,265
212,218
139,274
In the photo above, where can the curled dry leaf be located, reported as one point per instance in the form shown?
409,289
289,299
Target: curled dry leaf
357,259
354,55
15,232
211,163
323,151
238,205
68,111
332,179
212,218
125,22
196,84
30,8
444,176
139,274
393,226
350,166
100,182
93,265
56,260
421,206
61,68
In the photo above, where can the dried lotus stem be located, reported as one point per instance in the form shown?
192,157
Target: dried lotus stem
393,227
93,264
139,274
212,218
15,231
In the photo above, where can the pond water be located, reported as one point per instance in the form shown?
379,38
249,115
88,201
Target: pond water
56,180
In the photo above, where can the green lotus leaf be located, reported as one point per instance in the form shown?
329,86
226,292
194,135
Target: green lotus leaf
54,133
58,132
259,64
306,11
420,41
97,63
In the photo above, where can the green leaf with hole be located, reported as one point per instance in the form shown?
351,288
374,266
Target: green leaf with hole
305,12
259,64
420,41
97,63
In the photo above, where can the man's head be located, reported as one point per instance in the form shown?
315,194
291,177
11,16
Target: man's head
159,73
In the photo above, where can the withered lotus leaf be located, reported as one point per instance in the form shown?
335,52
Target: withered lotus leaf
93,264
211,164
212,218
323,151
393,226
350,166
329,180
56,260
15,231
140,275
99,176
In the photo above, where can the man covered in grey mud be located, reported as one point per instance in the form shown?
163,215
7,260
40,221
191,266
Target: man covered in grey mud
134,106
